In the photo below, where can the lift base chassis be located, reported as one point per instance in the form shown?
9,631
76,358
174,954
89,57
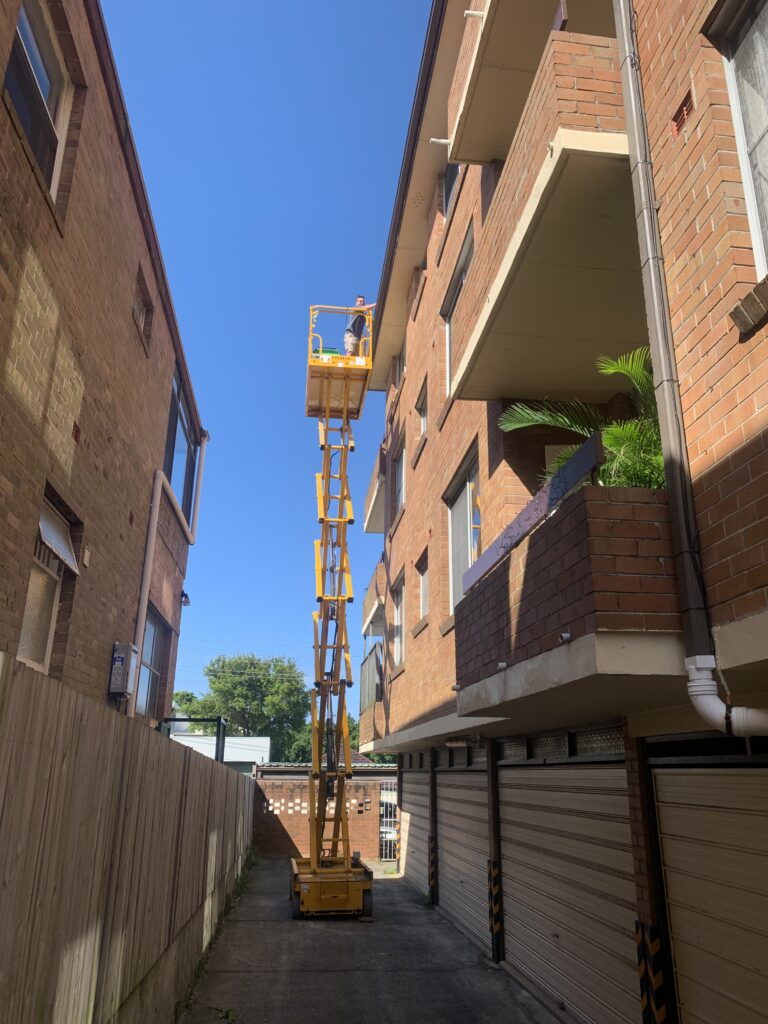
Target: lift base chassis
332,889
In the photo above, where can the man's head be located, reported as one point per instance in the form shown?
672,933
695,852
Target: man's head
360,300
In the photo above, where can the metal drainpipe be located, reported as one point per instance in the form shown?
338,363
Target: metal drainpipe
699,649
160,484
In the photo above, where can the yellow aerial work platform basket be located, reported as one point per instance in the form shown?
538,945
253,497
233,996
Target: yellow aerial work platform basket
333,879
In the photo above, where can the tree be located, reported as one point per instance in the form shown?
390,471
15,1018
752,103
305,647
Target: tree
633,456
257,696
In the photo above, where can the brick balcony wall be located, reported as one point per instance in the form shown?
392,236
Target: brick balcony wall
709,265
602,562
577,85
377,588
472,30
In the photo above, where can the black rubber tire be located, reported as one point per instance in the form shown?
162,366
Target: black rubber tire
296,904
367,903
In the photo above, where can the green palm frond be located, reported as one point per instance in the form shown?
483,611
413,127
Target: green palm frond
633,454
636,367
578,417
559,460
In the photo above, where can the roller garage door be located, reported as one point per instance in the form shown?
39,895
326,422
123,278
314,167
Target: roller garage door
713,829
462,850
569,890
414,828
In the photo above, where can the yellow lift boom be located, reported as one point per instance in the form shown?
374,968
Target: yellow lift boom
333,879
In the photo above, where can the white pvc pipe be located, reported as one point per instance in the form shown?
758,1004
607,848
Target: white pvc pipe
709,705
160,484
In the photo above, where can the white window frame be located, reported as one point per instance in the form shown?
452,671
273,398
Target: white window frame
400,365
451,300
160,629
756,229
43,562
422,408
471,468
399,478
40,21
398,623
422,569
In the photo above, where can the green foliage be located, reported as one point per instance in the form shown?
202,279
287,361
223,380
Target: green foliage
633,456
258,697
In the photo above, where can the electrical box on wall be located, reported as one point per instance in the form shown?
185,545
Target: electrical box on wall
123,669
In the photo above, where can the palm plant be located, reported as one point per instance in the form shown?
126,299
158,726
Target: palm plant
633,456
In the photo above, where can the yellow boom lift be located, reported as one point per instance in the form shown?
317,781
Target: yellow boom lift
333,879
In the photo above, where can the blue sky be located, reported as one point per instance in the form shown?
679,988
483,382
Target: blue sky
271,144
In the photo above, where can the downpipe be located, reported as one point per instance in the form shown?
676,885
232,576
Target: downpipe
700,661
161,484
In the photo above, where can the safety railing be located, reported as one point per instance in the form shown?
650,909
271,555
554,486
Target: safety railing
352,338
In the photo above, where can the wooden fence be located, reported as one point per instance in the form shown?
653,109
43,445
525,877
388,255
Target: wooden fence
117,850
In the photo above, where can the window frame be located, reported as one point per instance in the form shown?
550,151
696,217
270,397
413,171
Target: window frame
462,487
400,365
422,569
398,480
179,405
160,630
422,408
398,622
453,294
450,186
45,38
757,230
58,576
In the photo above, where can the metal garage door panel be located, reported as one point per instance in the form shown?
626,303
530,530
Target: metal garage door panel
462,849
716,878
414,829
569,890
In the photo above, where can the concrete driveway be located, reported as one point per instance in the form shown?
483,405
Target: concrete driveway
408,964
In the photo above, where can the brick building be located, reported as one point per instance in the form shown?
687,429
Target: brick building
281,809
552,666
101,433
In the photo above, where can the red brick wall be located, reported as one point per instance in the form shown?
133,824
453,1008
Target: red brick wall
472,28
709,265
603,562
70,352
577,85
281,822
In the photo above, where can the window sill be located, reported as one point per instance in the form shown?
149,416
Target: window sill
42,183
397,672
396,522
419,449
447,625
752,309
420,626
443,414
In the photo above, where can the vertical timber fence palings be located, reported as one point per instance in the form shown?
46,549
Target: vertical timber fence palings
118,848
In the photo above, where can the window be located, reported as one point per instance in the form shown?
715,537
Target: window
422,568
180,449
398,602
747,68
452,298
464,530
399,368
53,556
143,310
399,478
450,178
421,409
40,88
152,666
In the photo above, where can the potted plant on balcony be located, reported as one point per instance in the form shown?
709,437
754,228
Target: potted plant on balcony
633,456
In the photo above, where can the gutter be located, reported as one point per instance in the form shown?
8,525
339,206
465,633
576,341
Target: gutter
700,661
161,484
436,18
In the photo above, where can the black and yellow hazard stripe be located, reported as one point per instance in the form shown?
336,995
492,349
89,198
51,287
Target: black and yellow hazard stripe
495,911
432,868
649,968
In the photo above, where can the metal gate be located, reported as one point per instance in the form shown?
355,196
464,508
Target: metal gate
388,820
713,832
414,829
569,887
462,849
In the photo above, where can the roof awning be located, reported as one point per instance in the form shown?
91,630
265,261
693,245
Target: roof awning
54,532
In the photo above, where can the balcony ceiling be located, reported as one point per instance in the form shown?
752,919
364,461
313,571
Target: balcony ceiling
568,290
509,48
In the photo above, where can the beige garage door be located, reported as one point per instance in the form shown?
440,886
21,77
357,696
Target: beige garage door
713,825
414,828
569,890
462,850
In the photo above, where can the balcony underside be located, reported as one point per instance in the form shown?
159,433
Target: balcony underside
569,287
504,64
